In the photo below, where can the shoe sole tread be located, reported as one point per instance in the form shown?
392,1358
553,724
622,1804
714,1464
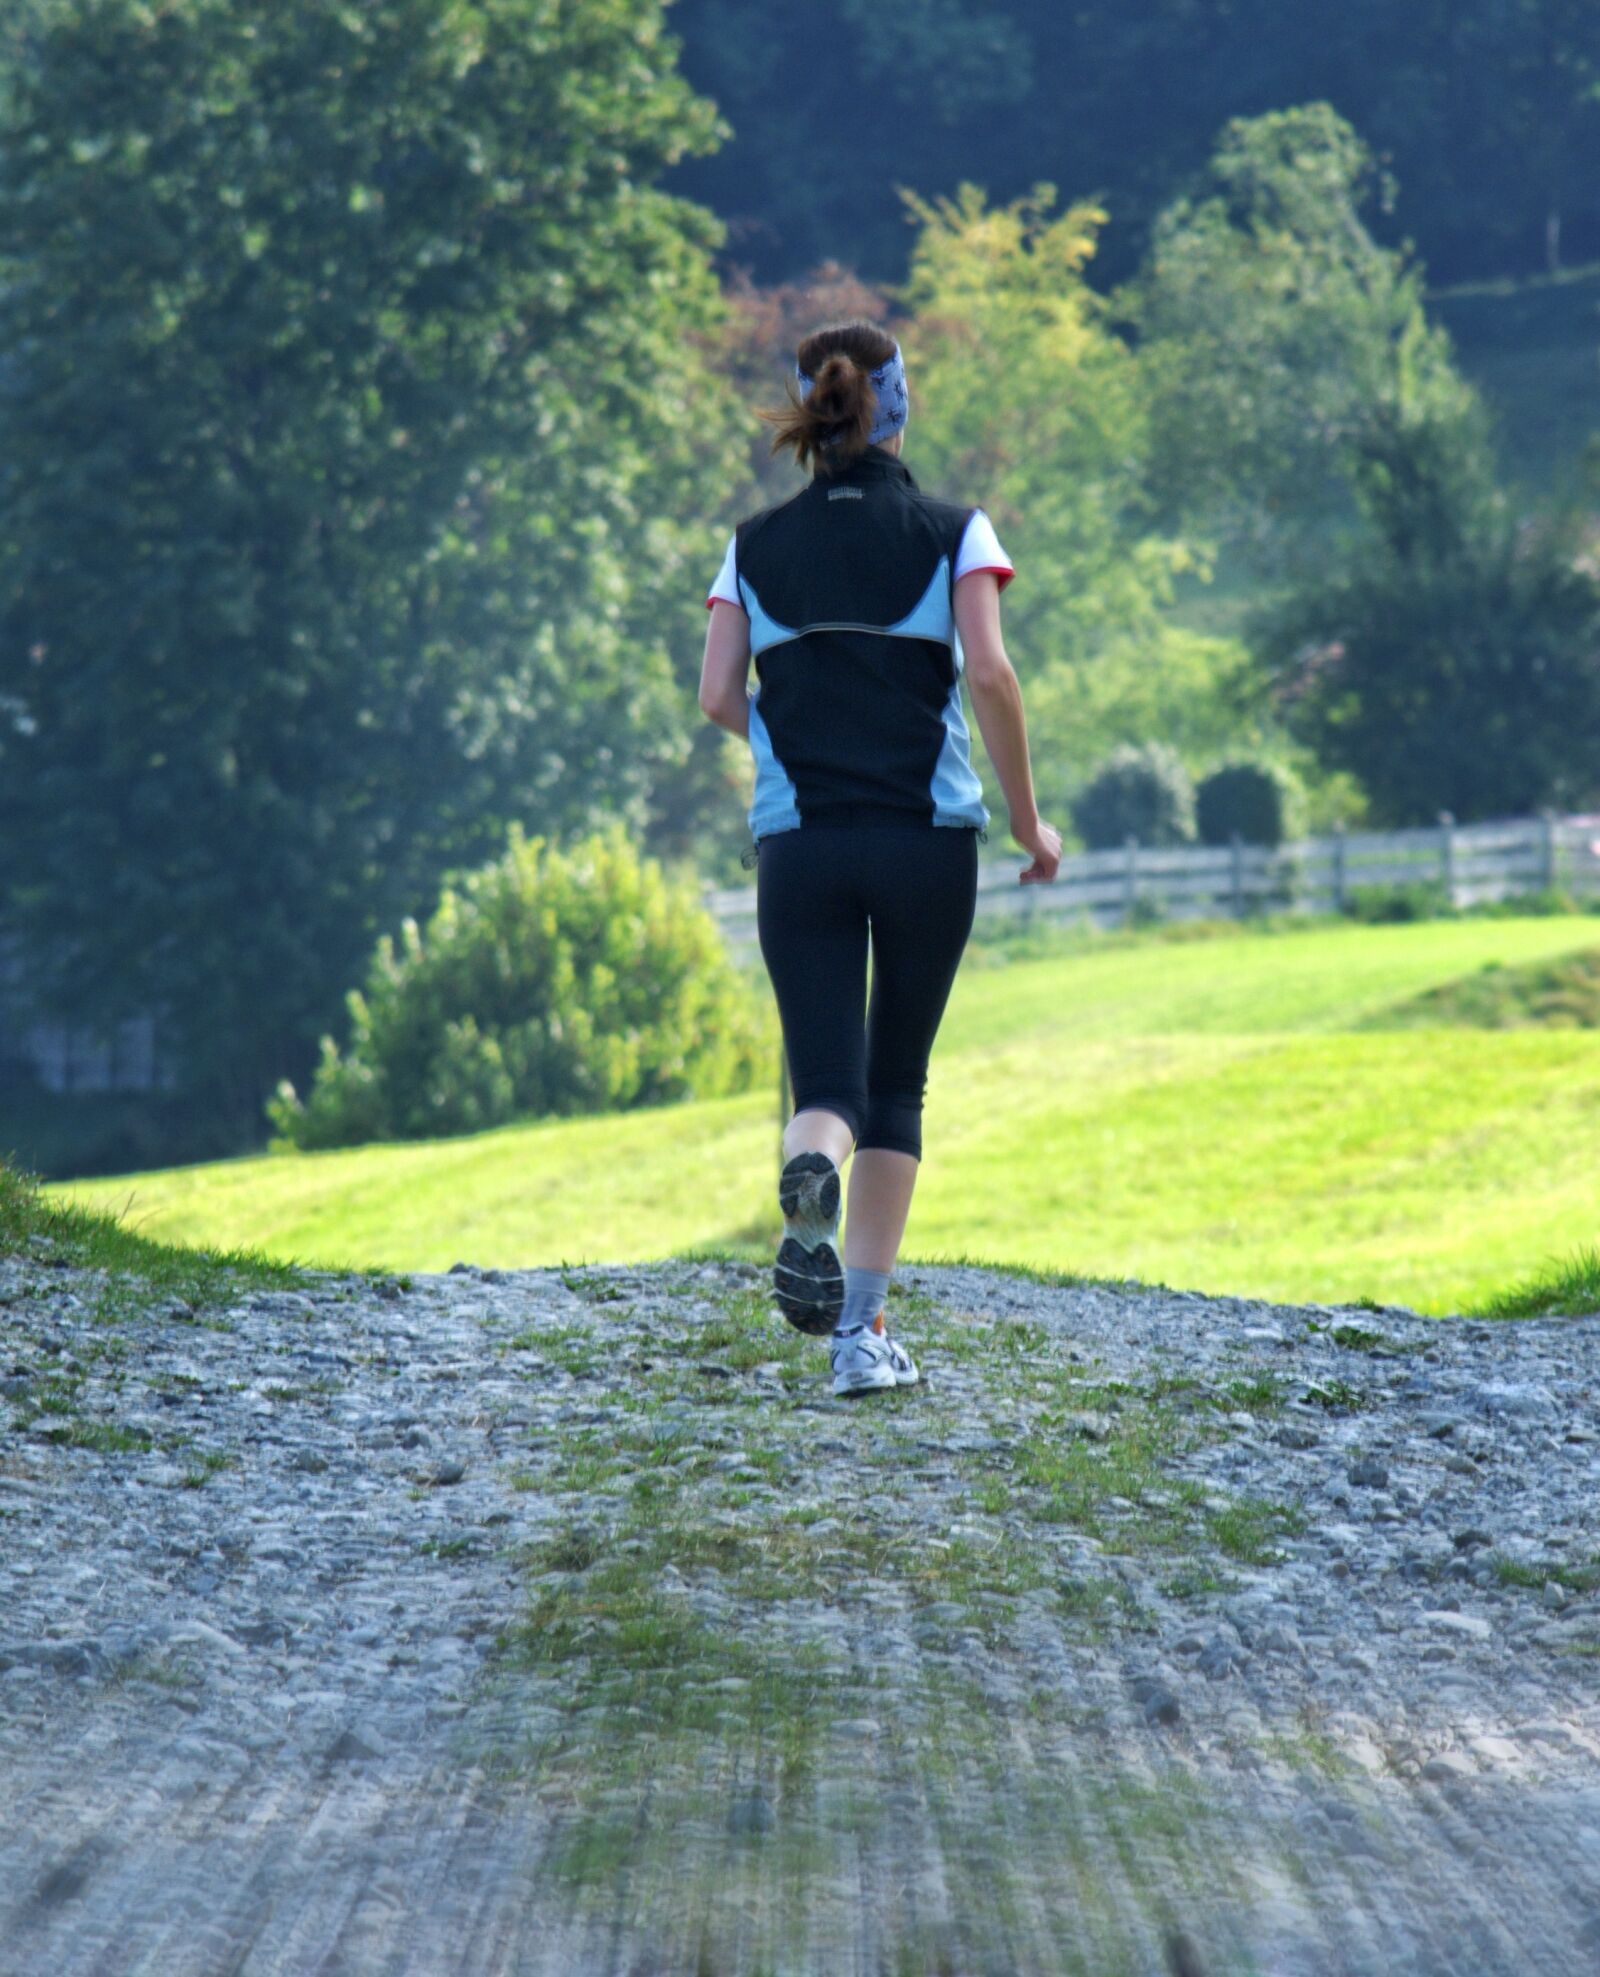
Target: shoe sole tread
808,1194
809,1285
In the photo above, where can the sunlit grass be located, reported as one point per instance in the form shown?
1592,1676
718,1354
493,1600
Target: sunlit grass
1563,1288
51,1232
1209,1114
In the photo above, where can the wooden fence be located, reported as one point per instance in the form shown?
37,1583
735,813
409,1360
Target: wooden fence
1468,863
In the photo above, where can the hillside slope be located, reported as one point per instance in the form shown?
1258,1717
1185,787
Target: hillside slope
1205,1114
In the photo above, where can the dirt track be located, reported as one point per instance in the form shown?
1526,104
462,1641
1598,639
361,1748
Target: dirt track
541,1624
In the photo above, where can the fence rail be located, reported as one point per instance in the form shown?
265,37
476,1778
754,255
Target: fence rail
1469,863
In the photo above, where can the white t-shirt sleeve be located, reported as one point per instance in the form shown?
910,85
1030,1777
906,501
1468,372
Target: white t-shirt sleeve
726,588
980,550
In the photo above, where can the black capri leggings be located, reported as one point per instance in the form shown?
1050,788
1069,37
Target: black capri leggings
820,891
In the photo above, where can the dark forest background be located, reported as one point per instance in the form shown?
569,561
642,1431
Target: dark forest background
1485,112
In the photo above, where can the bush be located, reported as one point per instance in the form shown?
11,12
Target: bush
1379,905
1140,792
552,982
1543,902
1257,801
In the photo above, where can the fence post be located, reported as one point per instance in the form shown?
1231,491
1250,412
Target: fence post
1547,849
1338,865
1130,879
1447,856
1238,876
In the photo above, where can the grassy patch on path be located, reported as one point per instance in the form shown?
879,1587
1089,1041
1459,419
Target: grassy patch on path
1217,1114
120,1277
45,1230
1565,1288
764,1627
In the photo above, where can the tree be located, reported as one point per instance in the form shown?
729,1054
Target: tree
349,394
835,103
1273,329
1450,658
1024,400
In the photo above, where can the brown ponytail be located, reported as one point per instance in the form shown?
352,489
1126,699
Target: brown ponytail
830,426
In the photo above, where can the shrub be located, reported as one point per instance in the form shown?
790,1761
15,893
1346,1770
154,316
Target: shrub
1258,801
551,982
1542,902
1142,792
1379,905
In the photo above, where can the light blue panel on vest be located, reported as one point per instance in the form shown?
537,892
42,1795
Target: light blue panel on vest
956,791
764,630
931,616
776,805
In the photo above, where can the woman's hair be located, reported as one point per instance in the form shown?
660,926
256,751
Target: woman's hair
831,424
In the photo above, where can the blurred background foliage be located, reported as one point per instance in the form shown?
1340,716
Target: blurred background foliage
1484,111
377,391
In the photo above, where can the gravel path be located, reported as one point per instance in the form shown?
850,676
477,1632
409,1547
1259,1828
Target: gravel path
546,1622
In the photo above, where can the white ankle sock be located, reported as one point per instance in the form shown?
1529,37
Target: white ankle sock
864,1293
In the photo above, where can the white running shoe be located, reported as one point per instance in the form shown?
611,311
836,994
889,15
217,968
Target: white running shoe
905,1367
866,1360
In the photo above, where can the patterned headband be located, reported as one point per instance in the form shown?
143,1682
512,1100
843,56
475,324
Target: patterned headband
888,381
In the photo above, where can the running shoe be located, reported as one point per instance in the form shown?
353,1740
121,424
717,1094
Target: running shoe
862,1362
905,1367
808,1278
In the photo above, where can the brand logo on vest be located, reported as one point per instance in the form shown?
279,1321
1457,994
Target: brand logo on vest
844,494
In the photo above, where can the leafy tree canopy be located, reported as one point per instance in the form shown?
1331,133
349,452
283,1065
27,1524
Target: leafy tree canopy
1025,399
348,393
1274,330
1449,655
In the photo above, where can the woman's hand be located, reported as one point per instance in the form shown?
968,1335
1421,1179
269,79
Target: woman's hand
1044,841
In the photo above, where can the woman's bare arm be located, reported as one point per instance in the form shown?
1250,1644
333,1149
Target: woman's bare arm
725,670
997,703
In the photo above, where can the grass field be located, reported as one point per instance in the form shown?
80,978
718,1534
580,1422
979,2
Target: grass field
1223,1114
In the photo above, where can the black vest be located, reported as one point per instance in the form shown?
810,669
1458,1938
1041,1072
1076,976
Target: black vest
849,586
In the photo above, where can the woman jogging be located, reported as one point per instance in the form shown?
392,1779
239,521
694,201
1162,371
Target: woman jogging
860,600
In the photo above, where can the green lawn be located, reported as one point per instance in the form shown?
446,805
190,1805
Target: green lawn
1217,1115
